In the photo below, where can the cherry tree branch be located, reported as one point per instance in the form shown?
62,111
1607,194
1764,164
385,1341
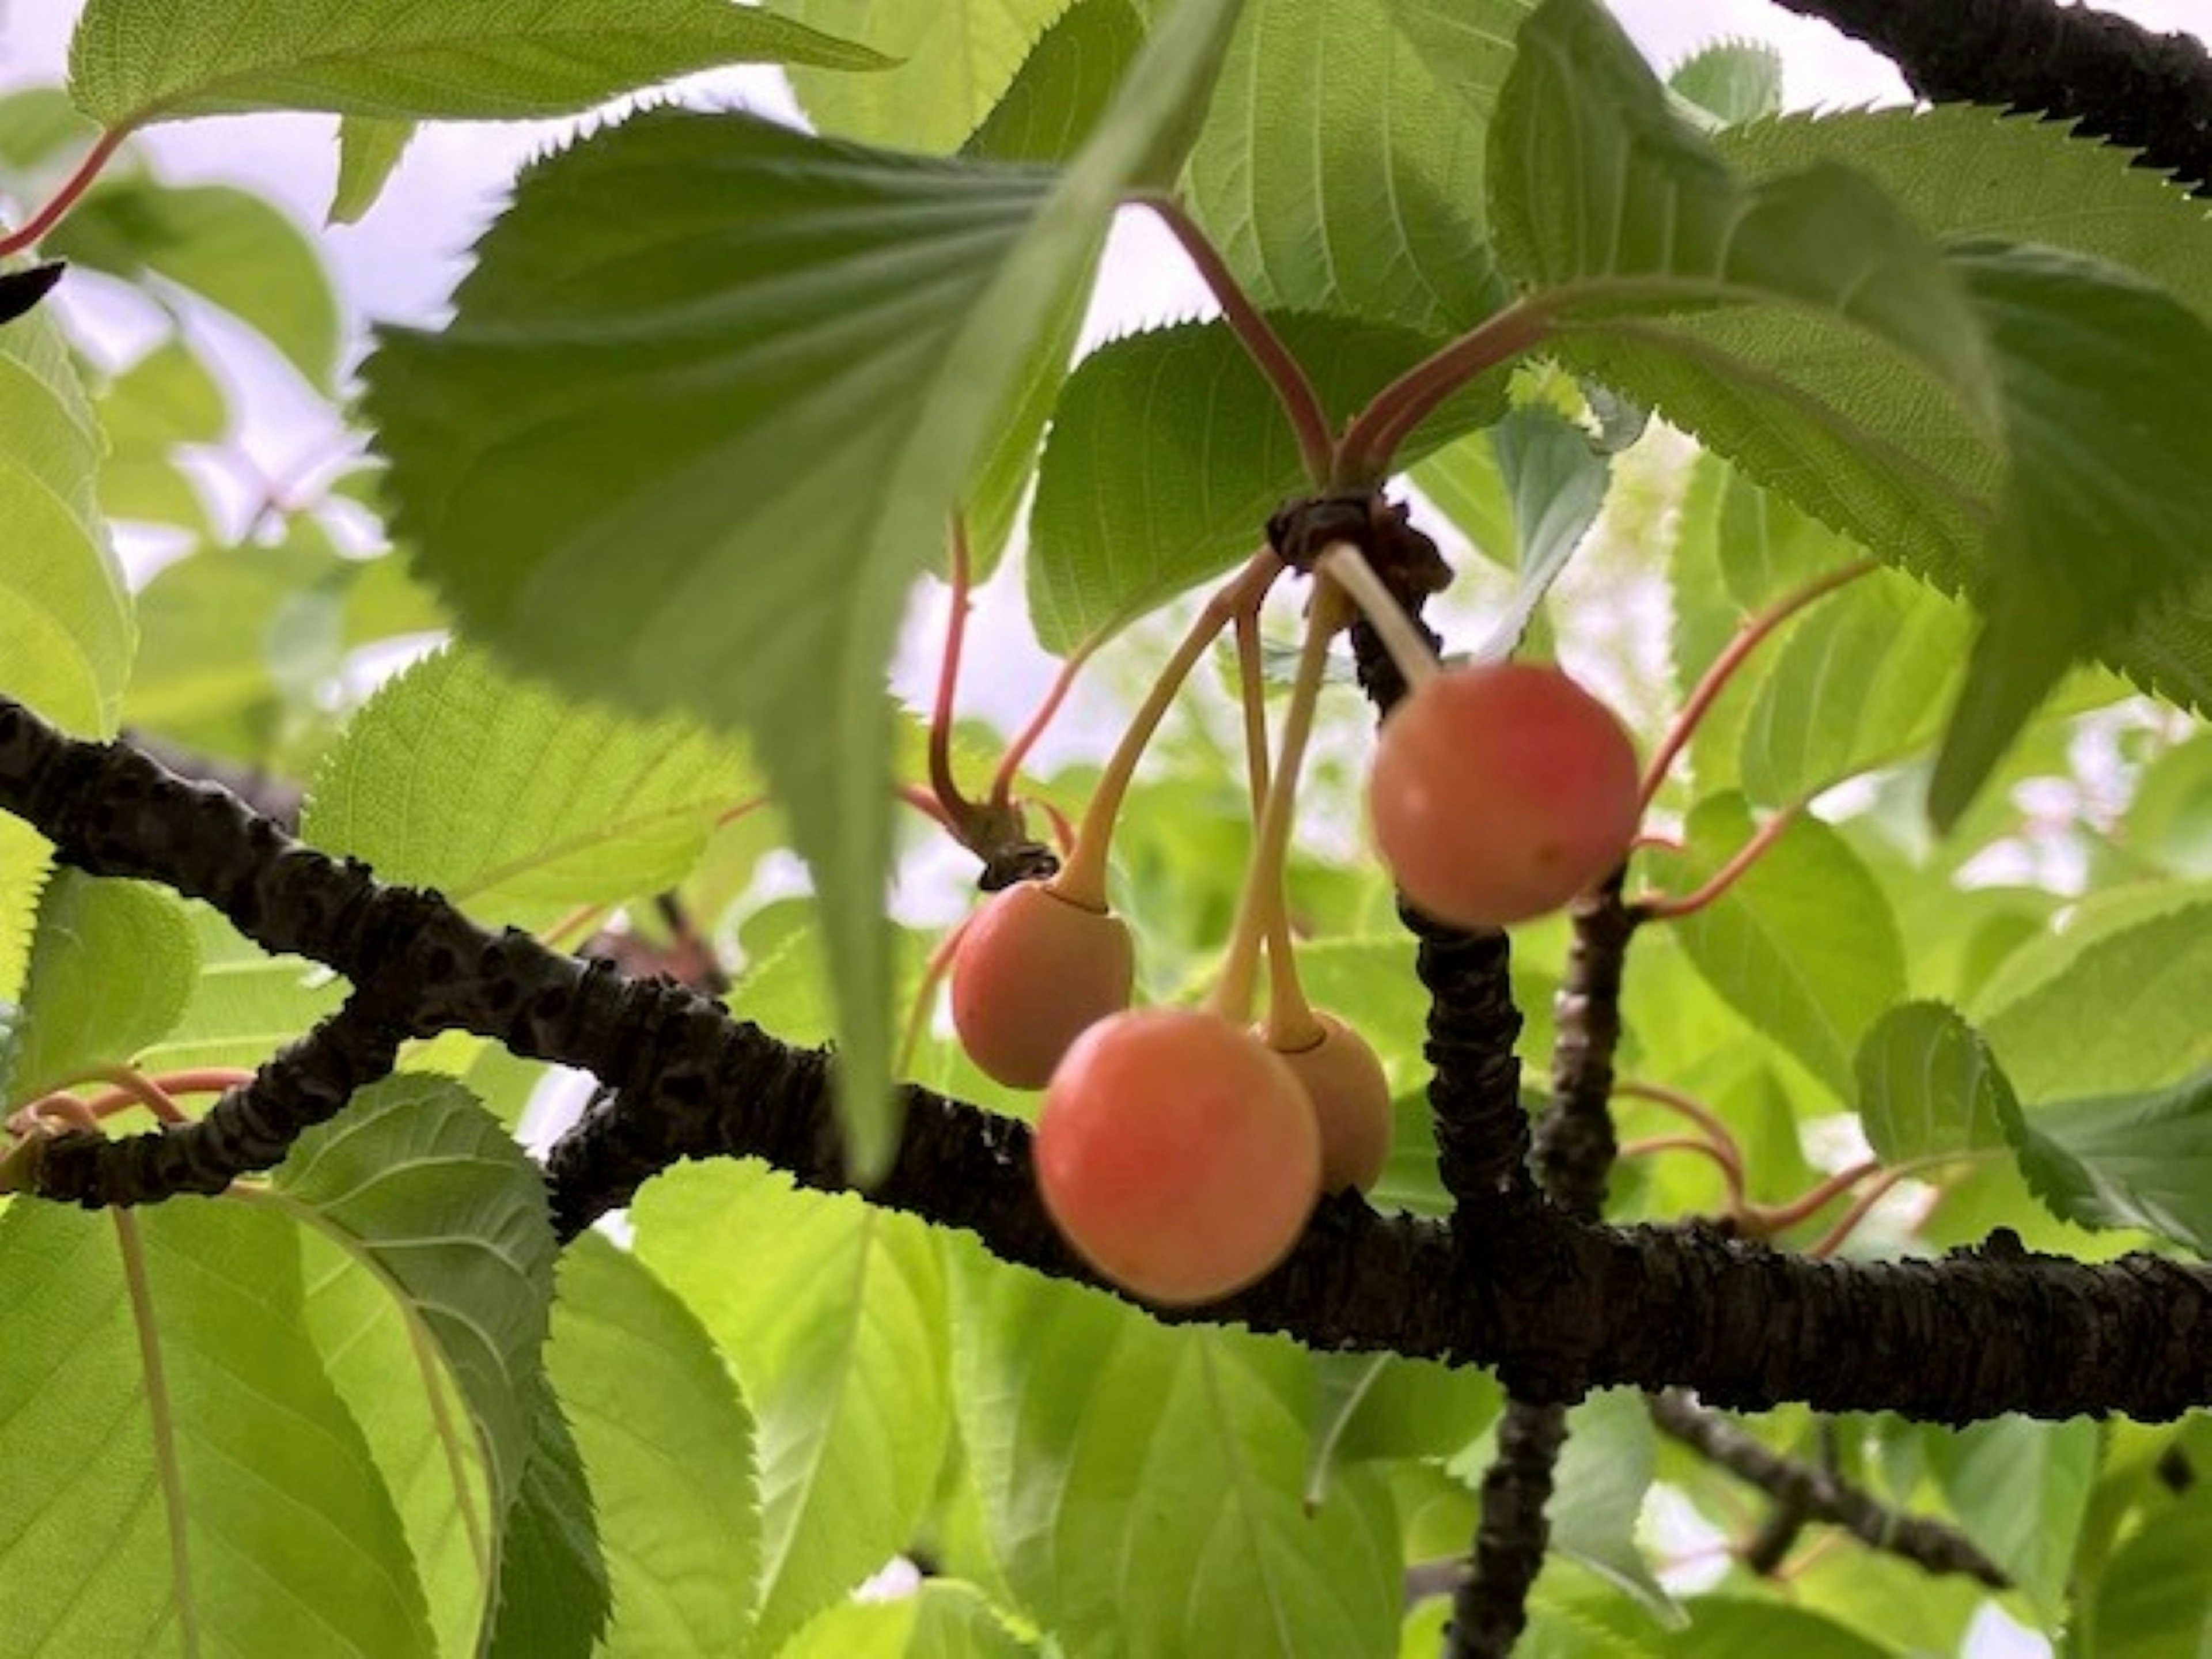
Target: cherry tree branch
2115,78
1556,1305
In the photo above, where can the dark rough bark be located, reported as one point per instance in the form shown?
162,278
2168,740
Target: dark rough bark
2118,80
1804,1492
1490,1607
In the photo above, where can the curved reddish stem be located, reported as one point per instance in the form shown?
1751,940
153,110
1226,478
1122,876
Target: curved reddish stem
1696,1143
1661,907
1370,443
67,197
1772,1219
1018,751
1722,669
1726,1150
941,780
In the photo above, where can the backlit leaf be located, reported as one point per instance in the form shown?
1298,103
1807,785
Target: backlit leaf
2141,1160
553,1597
369,148
113,965
134,61
940,1620
2019,1488
1928,1083
1731,81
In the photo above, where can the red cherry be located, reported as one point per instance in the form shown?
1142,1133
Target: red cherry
1351,1100
1500,791
1177,1154
1034,969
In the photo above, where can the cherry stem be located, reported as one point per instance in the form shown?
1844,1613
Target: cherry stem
924,995
66,198
1696,1143
1370,443
1725,1148
1347,567
926,803
1291,1027
1830,1241
948,683
1082,879
1002,783
1771,1219
1291,1023
1293,389
1664,907
1716,678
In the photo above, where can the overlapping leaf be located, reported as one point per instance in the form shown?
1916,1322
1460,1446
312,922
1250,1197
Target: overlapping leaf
161,1396
134,61
940,1620
2020,1488
1928,1083
669,1446
950,67
1143,1486
837,1327
113,965
2139,1160
516,802
553,1595
696,458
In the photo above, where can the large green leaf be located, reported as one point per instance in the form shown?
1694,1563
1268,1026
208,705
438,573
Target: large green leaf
835,1316
2141,1160
176,1472
1803,946
951,66
230,247
696,458
416,1182
1604,1472
113,965
1169,452
1928,1083
2020,1488
1337,173
515,801
2155,1600
1144,1487
135,61
66,632
1063,86
553,1594
669,1446
244,1004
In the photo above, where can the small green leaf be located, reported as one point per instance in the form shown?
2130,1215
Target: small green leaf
1732,80
2141,1160
1144,1487
2020,1489
174,1409
1928,1083
553,1597
414,1180
1556,483
66,633
1169,452
837,1327
515,801
668,1444
1604,1472
940,1620
113,965
1803,946
695,460
244,1004
1337,173
1063,86
229,246
135,61
2154,1600
369,148
950,66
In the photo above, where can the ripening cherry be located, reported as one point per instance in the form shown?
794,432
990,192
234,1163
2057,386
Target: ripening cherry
1034,969
1177,1154
1351,1101
1500,791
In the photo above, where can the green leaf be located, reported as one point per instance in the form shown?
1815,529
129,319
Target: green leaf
165,398
697,459
2155,1600
173,1409
2138,1160
416,1182
939,1620
837,1324
1927,1085
40,125
113,965
2110,1009
135,61
1599,1487
950,66
2020,1488
1732,80
1558,483
1168,452
1804,945
26,862
1337,173
66,633
1720,1627
229,246
1063,86
553,1597
1862,680
369,148
1143,1486
2105,381
669,1446
515,801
